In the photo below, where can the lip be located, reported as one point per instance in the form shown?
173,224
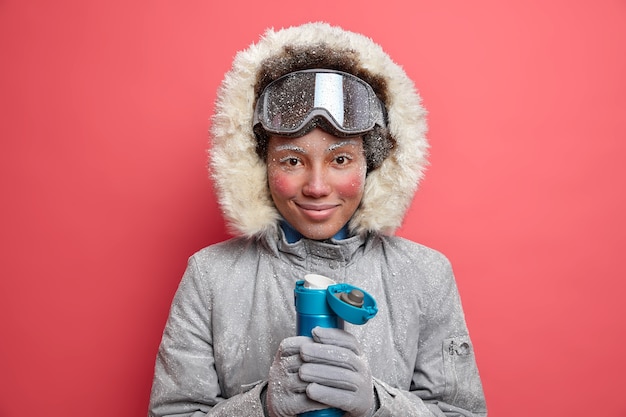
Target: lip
317,211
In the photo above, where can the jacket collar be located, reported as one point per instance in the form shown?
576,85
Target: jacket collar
332,250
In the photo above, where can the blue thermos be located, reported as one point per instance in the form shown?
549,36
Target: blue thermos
320,301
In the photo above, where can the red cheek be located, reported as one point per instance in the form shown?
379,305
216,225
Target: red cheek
351,185
280,183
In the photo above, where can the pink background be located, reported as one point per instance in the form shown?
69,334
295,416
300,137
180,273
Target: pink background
104,112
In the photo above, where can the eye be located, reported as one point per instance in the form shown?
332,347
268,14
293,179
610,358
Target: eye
290,161
342,159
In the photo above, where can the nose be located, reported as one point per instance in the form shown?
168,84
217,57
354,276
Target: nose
316,184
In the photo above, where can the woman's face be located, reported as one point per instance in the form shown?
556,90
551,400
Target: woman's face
316,181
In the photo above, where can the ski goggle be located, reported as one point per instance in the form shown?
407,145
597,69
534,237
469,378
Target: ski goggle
336,101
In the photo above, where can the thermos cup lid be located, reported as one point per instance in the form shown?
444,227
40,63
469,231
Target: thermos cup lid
344,300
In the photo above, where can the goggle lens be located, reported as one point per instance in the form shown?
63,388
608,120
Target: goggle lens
289,104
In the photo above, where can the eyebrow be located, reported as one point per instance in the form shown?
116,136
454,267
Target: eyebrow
290,147
298,149
341,144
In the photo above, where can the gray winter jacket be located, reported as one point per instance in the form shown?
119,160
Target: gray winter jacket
235,302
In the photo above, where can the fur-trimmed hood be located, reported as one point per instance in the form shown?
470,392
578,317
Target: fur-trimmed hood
240,175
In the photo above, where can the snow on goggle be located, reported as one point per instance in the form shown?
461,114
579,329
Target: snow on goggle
347,104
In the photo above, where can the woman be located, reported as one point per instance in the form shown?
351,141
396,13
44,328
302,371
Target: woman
318,146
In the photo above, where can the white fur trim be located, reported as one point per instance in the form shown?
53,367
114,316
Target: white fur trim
241,176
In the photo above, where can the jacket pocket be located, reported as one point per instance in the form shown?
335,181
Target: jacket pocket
463,386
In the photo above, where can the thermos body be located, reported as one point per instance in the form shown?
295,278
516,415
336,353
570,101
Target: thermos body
312,310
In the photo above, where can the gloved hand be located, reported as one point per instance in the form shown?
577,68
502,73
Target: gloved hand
339,376
286,392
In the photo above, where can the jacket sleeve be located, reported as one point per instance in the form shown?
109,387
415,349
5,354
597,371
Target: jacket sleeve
445,380
185,380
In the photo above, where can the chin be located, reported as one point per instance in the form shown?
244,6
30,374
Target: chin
318,233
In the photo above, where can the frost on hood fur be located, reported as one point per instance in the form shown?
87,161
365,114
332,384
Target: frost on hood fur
240,175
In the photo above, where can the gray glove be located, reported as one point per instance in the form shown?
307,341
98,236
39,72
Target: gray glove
286,392
338,375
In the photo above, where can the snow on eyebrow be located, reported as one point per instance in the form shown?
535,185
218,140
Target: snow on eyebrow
341,144
290,147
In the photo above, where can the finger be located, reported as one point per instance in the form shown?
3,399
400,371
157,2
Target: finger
330,355
291,345
296,404
337,337
293,384
291,364
330,376
288,403
284,377
332,397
